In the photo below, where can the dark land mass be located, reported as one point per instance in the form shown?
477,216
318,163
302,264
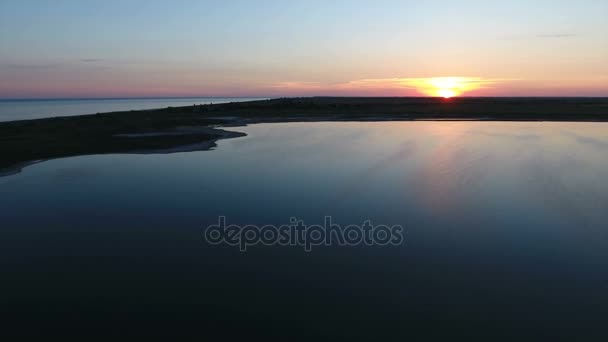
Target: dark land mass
194,127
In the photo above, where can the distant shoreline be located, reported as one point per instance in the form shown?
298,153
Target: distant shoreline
28,109
195,128
276,98
130,98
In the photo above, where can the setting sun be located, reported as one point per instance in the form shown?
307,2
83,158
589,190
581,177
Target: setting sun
446,86
446,93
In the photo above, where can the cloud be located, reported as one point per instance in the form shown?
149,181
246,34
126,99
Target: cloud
553,35
29,66
557,35
91,60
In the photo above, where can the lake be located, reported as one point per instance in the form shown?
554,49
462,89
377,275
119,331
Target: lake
36,109
504,233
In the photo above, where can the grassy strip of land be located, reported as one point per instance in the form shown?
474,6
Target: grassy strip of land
167,129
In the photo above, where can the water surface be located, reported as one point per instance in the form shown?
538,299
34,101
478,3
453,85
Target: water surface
36,109
505,228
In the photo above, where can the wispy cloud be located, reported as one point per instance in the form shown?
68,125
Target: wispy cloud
547,35
90,60
29,66
557,35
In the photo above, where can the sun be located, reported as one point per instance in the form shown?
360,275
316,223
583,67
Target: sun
446,93
445,87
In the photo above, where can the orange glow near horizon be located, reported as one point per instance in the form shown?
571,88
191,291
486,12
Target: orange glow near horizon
446,86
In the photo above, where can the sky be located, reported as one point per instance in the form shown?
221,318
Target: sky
132,48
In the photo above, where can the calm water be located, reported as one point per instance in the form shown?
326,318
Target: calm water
505,228
36,109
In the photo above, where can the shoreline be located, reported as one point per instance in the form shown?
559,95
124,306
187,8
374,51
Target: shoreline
198,128
205,145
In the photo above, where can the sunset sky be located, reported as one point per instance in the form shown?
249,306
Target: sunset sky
59,48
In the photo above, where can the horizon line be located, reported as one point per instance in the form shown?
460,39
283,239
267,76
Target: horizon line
273,97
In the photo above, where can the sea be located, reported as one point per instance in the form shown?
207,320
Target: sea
22,109
503,235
